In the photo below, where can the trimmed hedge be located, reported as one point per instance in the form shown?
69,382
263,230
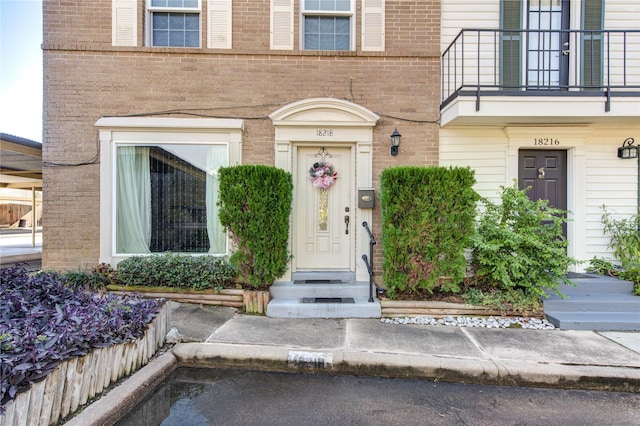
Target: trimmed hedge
175,270
427,223
255,205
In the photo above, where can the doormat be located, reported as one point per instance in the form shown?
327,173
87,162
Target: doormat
328,300
318,282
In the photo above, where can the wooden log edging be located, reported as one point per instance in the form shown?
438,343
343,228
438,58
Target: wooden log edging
435,309
77,380
251,301
255,302
227,297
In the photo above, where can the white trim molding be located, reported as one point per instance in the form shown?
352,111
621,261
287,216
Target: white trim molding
571,139
134,130
330,121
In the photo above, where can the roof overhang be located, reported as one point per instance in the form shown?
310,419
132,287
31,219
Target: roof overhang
20,163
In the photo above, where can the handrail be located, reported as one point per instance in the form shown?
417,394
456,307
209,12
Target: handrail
369,261
483,61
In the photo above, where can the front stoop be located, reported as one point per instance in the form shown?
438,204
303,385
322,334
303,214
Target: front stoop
595,303
322,295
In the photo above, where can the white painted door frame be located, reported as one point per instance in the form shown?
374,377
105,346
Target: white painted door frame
331,122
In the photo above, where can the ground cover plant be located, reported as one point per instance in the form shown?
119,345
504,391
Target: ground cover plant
44,322
624,233
180,271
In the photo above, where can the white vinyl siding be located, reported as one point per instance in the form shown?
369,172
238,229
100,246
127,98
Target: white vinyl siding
484,151
595,175
623,15
459,14
609,181
373,33
281,24
124,23
219,24
480,14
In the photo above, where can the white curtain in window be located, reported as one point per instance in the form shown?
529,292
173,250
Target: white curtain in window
216,158
133,200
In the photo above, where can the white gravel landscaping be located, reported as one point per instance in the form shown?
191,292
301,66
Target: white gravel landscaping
485,322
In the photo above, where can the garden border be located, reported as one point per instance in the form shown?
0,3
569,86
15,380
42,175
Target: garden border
77,380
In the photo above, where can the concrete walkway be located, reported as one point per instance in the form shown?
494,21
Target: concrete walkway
556,358
16,245
219,337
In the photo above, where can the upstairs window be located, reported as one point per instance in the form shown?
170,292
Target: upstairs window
174,23
327,24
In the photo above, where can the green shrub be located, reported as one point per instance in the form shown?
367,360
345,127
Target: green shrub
176,270
427,222
95,279
255,205
519,245
625,238
625,243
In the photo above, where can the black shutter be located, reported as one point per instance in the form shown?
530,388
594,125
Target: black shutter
510,44
592,19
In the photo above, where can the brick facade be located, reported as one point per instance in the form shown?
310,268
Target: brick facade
87,78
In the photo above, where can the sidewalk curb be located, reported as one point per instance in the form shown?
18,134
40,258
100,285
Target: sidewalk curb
407,366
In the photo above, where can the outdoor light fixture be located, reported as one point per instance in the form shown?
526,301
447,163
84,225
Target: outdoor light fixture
628,149
395,142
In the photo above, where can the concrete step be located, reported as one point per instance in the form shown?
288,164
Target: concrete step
614,302
295,308
598,321
290,290
597,284
346,276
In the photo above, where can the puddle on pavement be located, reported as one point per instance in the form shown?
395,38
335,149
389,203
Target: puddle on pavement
193,396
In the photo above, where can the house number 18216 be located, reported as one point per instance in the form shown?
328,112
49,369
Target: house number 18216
546,141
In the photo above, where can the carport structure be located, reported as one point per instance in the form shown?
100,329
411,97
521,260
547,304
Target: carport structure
21,169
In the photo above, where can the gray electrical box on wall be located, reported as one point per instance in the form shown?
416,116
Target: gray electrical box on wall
366,198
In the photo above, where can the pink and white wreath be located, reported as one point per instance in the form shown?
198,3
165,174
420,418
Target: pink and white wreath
323,175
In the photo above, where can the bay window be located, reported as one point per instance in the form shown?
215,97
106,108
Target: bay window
166,198
159,184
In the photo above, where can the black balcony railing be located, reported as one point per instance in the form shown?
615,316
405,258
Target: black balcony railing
489,62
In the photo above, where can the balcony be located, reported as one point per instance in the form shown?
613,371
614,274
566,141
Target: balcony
541,77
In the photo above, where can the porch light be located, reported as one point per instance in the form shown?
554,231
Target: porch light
395,142
628,149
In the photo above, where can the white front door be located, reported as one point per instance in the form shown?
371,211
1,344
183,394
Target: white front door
324,220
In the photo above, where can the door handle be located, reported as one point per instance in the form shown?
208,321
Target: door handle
346,222
566,50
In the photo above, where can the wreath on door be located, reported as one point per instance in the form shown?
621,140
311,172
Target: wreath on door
323,175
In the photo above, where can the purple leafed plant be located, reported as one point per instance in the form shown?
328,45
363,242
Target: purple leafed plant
42,323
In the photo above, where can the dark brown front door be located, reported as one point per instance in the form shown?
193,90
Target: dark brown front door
546,173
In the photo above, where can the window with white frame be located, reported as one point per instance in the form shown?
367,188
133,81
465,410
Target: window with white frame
166,198
174,23
159,184
327,24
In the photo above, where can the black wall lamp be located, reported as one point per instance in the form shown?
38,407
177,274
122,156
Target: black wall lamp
395,142
628,149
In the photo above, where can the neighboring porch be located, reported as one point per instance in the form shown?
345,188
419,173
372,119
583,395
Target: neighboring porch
497,76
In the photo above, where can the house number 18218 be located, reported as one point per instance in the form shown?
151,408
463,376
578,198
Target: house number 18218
546,141
324,132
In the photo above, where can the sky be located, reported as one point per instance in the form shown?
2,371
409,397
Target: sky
21,68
